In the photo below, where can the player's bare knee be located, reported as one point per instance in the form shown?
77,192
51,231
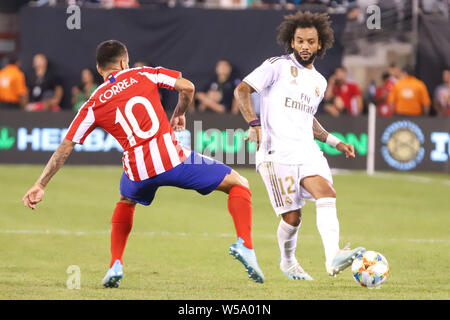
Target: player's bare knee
327,192
239,180
331,193
294,218
127,200
244,182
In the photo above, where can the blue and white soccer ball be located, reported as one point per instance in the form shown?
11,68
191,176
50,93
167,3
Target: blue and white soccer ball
370,269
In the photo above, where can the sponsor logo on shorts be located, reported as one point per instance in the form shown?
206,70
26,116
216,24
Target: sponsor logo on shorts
288,200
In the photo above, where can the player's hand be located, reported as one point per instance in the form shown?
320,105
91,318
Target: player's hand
254,135
348,149
178,122
33,196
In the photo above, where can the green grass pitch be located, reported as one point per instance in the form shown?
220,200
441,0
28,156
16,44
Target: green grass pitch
178,248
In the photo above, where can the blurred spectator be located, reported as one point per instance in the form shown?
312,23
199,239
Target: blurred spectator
44,86
395,73
126,3
382,94
82,92
354,27
342,96
409,96
13,90
233,4
139,64
436,7
108,4
306,5
83,2
266,4
441,101
218,95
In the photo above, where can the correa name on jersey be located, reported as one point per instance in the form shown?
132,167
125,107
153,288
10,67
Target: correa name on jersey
144,131
117,88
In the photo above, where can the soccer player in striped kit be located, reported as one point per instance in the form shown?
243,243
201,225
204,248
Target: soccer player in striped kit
127,105
288,159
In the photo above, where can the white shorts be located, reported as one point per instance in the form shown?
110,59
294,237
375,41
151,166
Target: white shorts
283,182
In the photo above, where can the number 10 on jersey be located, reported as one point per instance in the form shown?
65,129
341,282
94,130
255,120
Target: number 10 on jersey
135,128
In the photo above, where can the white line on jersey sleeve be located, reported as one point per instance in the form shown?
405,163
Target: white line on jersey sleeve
167,80
263,76
160,78
84,126
151,76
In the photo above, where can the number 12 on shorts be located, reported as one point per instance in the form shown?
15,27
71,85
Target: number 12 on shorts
290,188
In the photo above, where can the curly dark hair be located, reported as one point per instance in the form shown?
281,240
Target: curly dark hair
306,19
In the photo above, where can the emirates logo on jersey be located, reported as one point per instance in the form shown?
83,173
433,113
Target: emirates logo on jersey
294,71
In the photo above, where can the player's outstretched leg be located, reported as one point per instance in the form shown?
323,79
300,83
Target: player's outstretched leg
337,259
343,259
122,222
287,234
240,208
113,275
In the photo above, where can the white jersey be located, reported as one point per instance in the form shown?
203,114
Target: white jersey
290,95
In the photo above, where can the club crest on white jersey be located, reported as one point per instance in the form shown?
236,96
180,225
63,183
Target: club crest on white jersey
289,97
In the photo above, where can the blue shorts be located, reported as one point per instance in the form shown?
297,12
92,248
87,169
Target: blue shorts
196,173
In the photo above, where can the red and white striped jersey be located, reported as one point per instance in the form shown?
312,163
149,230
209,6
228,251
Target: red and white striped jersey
127,105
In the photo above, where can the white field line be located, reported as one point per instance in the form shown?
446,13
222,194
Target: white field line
413,178
193,235
391,176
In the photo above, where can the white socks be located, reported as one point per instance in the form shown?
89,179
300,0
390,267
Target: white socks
328,226
287,241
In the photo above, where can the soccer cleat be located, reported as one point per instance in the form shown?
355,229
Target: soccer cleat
343,259
295,272
248,259
113,275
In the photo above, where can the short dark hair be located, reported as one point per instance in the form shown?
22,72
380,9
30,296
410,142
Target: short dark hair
409,69
109,52
393,65
341,68
12,58
320,21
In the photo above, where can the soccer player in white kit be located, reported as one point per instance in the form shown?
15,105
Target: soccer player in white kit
288,159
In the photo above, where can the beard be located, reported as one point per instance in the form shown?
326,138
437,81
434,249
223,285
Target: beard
303,62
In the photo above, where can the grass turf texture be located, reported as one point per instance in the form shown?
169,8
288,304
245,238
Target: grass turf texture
178,248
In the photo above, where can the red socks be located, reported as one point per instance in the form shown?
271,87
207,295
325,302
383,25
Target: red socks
240,208
122,221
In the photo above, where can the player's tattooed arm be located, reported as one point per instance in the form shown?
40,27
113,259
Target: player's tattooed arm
242,94
36,193
319,132
186,91
322,135
56,162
